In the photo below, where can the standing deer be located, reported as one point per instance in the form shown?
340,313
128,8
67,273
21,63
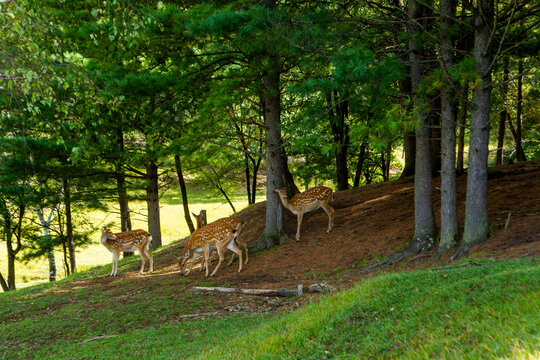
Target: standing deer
128,241
214,235
234,223
309,200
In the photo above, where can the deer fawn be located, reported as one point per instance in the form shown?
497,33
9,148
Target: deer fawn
128,241
233,222
214,235
307,201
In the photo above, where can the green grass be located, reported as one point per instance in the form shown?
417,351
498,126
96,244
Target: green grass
173,228
487,312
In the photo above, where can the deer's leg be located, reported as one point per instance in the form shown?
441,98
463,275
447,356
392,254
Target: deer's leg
143,260
330,211
114,264
235,249
300,216
206,255
232,258
193,259
151,257
220,251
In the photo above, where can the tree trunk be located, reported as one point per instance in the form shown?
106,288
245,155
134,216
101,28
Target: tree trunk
338,111
123,202
46,233
476,216
409,150
449,220
152,201
359,165
270,98
425,229
256,165
247,172
183,190
3,283
504,113
69,226
435,134
519,114
462,120
11,260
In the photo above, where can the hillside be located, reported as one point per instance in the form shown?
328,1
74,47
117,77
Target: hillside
372,222
375,221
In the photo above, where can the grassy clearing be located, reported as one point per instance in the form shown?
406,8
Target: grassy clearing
486,312
173,227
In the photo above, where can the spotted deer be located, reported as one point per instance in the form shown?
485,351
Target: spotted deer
309,200
128,241
214,235
234,223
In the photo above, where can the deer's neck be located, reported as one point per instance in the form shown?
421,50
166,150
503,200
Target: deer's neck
287,204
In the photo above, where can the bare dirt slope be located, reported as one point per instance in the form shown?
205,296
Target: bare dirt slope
371,223
375,221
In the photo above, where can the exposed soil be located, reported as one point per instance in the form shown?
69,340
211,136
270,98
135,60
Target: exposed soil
371,223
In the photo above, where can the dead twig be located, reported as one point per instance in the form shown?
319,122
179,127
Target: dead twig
470,263
260,292
97,338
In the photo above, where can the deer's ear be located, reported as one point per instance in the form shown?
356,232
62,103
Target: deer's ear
192,213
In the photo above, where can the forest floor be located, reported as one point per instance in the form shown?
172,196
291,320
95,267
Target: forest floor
371,223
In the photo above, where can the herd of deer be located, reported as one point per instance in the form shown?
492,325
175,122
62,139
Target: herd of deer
219,235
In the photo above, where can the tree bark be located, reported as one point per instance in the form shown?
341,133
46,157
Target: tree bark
449,220
338,111
425,229
435,134
359,165
476,216
50,255
504,113
123,202
11,230
69,226
152,201
409,149
3,283
520,154
462,120
271,99
183,190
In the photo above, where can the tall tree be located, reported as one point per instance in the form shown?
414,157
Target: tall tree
449,220
476,216
424,219
504,112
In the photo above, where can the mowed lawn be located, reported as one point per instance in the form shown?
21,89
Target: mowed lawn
173,228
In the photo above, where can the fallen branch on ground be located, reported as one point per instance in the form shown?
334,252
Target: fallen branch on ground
260,292
470,263
189,316
314,288
97,338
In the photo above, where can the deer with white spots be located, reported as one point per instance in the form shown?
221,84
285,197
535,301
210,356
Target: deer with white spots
234,223
309,200
128,241
216,235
